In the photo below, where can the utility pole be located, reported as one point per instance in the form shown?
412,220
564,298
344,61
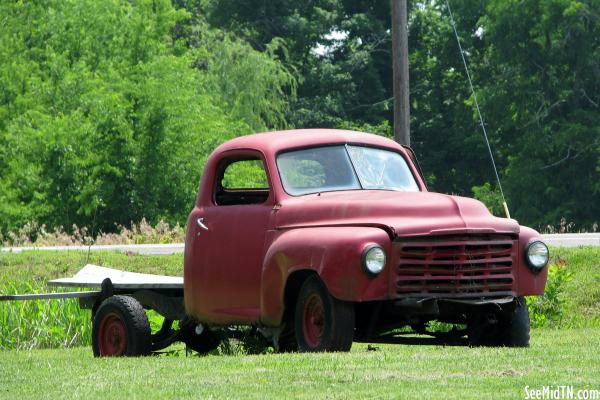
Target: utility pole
400,65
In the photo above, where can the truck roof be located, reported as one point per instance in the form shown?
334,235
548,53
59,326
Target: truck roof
271,143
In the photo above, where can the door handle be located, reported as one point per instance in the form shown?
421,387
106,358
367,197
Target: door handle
200,222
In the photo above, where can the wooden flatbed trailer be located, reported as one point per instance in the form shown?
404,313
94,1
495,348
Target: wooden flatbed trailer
118,303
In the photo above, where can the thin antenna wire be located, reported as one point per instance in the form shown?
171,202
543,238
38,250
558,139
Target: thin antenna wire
462,55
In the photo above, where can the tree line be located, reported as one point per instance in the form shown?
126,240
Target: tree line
108,110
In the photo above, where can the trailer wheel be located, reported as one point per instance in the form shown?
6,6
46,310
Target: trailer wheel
121,328
322,323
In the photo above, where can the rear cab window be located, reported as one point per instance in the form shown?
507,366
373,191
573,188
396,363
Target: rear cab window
241,181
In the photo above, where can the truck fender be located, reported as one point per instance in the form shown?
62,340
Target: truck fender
529,283
334,253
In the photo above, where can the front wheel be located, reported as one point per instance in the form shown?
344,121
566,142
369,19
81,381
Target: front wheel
515,325
322,323
508,328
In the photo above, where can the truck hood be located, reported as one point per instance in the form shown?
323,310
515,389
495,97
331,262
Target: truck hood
399,213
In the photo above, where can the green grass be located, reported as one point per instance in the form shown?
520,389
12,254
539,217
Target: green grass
582,293
41,266
392,371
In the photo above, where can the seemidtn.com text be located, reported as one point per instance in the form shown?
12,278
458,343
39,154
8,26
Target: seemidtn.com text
560,392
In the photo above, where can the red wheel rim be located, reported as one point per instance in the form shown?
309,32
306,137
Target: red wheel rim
112,336
314,320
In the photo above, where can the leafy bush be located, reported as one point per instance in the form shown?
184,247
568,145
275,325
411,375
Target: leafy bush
547,310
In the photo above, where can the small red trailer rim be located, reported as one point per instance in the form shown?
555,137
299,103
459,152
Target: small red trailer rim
112,336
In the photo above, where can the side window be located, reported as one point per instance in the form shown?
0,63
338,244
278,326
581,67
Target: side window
245,174
241,182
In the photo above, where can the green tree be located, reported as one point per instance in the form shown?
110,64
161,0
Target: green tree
543,96
108,110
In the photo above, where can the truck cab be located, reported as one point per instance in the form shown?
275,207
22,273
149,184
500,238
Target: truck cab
322,237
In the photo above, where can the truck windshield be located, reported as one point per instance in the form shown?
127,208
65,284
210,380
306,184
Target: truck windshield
344,167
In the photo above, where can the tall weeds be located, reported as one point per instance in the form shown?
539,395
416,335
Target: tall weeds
32,324
33,234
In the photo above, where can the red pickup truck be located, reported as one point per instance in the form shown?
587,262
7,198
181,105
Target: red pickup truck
322,237
317,238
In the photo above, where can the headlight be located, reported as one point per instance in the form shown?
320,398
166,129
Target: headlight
373,259
537,255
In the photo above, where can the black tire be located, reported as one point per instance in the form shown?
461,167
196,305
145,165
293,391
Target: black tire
203,343
120,328
515,325
508,328
287,342
322,323
482,330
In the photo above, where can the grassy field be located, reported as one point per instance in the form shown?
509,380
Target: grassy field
556,357
564,355
582,291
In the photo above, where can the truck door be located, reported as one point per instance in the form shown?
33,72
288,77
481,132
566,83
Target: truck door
231,240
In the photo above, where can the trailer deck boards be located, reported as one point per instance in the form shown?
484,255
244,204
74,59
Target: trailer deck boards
91,276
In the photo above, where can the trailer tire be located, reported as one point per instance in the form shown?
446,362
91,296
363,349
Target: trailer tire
322,322
121,328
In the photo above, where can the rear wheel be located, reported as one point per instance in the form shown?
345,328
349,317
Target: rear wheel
322,323
120,328
198,337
